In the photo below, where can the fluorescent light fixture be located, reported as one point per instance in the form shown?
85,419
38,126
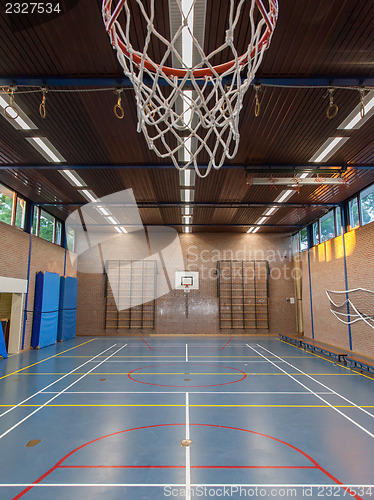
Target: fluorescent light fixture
187,177
250,230
186,219
187,42
187,109
123,229
187,195
187,229
303,176
328,149
255,230
22,121
46,149
270,211
112,220
118,230
89,195
72,177
187,210
187,150
103,210
262,220
285,195
354,120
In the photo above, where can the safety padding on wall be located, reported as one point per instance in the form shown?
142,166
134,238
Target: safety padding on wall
67,320
3,351
47,298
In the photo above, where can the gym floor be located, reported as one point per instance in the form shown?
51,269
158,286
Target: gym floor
181,417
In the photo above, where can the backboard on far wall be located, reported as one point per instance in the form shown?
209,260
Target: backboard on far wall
186,279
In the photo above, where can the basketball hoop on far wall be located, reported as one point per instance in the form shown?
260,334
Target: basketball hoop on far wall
190,111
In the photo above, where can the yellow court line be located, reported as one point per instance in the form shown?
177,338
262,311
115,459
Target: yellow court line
159,356
181,405
333,362
54,356
206,373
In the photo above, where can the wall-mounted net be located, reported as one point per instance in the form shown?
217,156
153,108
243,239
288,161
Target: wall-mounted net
189,112
350,306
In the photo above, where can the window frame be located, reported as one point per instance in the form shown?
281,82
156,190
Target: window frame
363,194
328,215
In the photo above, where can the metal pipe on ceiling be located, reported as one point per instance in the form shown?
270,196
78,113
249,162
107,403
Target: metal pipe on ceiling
110,82
267,168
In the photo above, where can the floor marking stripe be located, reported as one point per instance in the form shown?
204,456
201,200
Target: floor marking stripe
47,386
191,405
325,359
196,373
56,396
317,395
181,485
46,359
320,383
183,392
187,352
182,467
188,452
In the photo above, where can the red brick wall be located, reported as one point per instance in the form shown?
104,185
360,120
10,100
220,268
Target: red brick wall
14,255
200,253
327,273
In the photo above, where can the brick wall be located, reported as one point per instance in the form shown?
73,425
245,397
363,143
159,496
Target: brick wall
200,253
327,272
14,256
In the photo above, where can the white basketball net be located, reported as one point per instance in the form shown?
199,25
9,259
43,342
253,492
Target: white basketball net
350,306
192,115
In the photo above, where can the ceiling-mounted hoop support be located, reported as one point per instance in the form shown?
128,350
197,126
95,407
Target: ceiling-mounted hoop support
216,91
11,106
269,17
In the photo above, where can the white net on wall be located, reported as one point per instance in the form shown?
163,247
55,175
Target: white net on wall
190,114
350,306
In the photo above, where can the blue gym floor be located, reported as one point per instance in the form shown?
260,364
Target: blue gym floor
104,418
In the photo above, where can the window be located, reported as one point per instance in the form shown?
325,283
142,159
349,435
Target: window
315,230
46,226
367,205
339,222
327,226
70,239
35,221
6,204
354,219
303,239
58,232
20,213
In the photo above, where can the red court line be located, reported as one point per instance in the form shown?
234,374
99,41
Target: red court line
222,348
183,467
185,386
58,464
149,347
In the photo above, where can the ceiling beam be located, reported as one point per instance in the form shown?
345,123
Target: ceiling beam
255,168
178,204
179,224
110,82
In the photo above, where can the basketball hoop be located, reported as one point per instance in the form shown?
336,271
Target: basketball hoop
186,288
195,107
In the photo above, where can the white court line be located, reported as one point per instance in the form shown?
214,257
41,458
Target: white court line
183,392
317,395
55,382
186,352
323,385
57,395
163,485
197,361
188,453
